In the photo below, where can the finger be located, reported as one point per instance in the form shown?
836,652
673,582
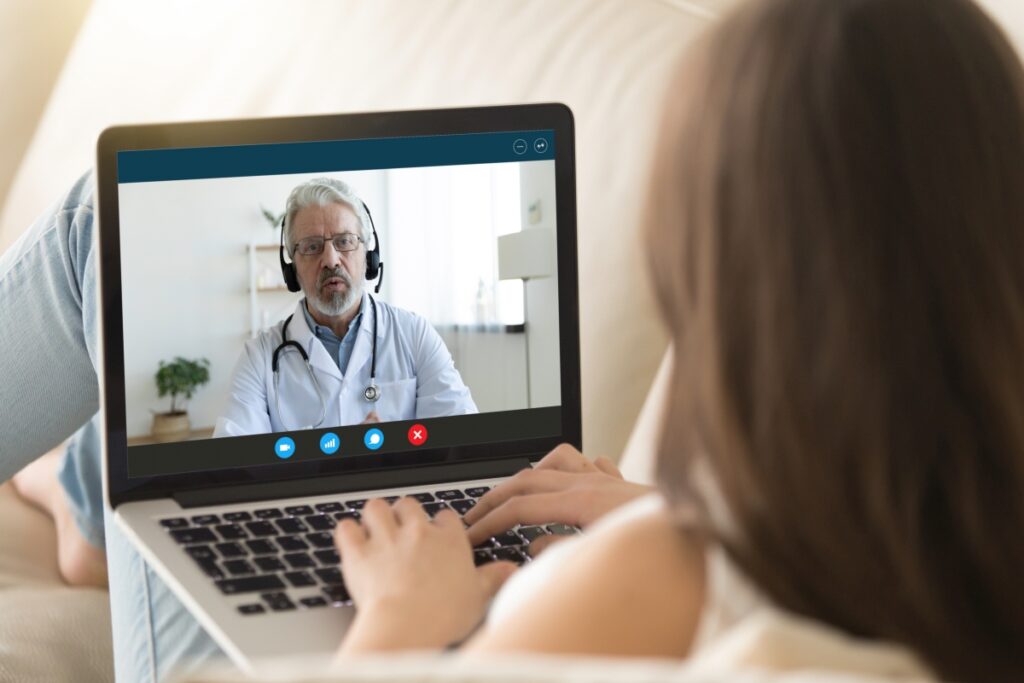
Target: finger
409,511
371,417
607,466
349,537
379,519
523,483
540,508
566,458
541,543
494,575
449,519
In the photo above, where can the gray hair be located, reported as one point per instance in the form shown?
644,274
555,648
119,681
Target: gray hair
321,192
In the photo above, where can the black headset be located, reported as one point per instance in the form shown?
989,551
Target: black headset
374,266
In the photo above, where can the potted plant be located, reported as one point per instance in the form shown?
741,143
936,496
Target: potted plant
271,217
180,377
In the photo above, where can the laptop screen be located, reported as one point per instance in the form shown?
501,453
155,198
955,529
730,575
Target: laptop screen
337,299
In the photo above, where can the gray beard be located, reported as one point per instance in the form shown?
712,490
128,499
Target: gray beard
334,304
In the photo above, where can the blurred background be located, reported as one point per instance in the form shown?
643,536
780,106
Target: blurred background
72,67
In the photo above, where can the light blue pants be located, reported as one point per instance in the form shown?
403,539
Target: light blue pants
48,390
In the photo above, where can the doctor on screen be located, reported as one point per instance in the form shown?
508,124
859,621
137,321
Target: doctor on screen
342,357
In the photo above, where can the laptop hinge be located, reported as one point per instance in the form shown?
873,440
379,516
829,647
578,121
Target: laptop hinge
346,483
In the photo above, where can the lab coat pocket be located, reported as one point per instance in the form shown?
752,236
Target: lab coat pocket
397,400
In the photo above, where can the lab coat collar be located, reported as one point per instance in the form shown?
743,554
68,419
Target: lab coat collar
371,321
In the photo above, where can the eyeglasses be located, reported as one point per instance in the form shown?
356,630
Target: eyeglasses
314,246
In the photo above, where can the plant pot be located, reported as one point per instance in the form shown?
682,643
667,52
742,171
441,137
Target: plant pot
169,427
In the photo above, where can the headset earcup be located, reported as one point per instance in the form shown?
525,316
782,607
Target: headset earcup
291,278
372,264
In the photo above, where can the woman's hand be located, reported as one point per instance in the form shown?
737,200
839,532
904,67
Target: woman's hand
412,578
564,487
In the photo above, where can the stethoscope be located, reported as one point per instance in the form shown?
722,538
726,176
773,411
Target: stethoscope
371,393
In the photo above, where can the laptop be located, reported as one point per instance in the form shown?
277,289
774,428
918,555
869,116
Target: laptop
243,421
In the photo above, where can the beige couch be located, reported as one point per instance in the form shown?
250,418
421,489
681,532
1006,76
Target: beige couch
137,61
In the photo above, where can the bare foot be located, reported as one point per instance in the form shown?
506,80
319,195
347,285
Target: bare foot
80,562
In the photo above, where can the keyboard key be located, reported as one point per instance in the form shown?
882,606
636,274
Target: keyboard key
450,494
300,579
242,516
291,543
348,514
390,499
279,602
250,584
424,497
252,608
337,594
321,539
532,532
562,529
298,560
462,506
487,543
510,554
209,567
238,567
320,522
269,513
174,523
193,535
206,520
261,528
330,576
290,525
329,557
314,601
508,538
230,550
299,510
477,491
261,547
231,532
329,507
200,552
433,508
355,504
482,557
269,564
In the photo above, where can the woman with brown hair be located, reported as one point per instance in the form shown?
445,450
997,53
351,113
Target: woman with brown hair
836,236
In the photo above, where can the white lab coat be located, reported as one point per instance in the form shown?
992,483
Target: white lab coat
415,374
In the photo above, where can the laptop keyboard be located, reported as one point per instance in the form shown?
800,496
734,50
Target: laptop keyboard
285,556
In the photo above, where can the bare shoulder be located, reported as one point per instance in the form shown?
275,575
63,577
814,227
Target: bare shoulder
634,588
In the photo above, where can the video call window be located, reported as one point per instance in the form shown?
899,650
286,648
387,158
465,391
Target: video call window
465,320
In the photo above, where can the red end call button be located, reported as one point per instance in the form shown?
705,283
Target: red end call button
417,435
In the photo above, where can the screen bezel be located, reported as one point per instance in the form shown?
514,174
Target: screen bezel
553,116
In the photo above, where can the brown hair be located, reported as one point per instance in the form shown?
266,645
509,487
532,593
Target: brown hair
836,234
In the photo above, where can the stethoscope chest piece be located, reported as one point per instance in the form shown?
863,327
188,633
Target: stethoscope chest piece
372,393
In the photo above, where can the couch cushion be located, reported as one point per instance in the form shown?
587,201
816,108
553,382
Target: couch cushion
48,631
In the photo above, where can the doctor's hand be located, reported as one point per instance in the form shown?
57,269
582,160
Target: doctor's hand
564,487
371,418
412,579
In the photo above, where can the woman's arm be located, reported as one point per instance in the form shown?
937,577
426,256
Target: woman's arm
634,589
